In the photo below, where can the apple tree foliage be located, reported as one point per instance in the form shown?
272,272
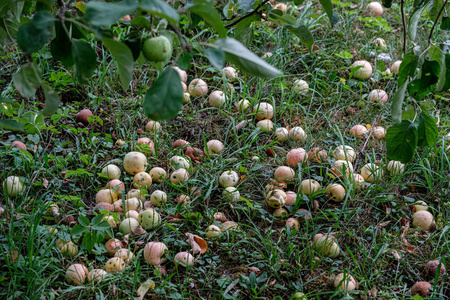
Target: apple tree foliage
69,29
425,69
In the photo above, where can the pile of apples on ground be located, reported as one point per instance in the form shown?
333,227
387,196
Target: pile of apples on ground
139,215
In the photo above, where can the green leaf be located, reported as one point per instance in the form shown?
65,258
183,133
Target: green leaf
61,46
414,20
420,124
160,9
124,58
407,68
249,62
397,103
100,236
437,55
206,9
97,219
244,31
421,87
430,130
387,3
51,101
445,24
27,80
105,14
11,125
434,9
135,47
102,226
164,99
328,6
401,141
89,240
84,221
141,21
303,33
32,36
85,60
6,100
78,230
216,57
246,5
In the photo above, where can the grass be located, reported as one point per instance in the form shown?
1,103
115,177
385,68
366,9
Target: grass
262,259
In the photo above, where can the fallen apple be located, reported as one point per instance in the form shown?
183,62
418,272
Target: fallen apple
300,86
336,192
229,72
265,125
111,171
263,110
422,219
358,131
228,179
375,9
158,197
396,67
297,134
114,264
214,147
231,194
378,96
142,180
296,156
184,259
284,174
345,282
217,99
364,72
198,88
155,253
179,176
13,186
127,225
212,232
158,174
76,274
282,134
149,218
309,187
343,152
134,162
371,172
243,105
276,198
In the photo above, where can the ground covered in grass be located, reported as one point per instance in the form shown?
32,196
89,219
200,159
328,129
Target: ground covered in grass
261,258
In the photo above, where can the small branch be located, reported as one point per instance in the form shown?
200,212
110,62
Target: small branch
183,42
435,22
404,25
255,11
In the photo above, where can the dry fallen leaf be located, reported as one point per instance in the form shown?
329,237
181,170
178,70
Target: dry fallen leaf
198,244
45,183
254,270
384,224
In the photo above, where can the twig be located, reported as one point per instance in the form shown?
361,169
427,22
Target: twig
402,7
255,11
369,134
435,22
183,42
